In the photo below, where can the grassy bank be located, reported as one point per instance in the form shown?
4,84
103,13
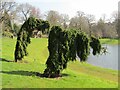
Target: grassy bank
110,41
77,75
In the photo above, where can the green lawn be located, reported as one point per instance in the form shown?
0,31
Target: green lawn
77,75
110,41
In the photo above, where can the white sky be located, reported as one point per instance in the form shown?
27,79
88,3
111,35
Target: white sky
70,7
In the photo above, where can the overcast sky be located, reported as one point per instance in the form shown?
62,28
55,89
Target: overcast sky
70,7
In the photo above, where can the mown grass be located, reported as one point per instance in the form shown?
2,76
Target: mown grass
110,41
77,75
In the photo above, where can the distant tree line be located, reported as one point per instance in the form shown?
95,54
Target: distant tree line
13,15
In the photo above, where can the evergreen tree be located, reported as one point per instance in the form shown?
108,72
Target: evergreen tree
23,37
63,47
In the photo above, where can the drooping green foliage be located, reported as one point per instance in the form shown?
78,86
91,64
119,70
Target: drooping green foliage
64,46
23,37
82,44
16,28
95,45
43,25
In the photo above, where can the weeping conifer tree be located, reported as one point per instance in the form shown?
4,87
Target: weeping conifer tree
23,37
64,46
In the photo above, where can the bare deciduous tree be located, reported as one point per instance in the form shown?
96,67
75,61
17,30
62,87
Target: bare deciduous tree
90,19
80,13
8,7
79,22
64,20
24,11
53,17
35,12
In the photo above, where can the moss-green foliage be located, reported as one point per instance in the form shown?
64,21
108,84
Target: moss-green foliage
95,45
16,28
55,54
83,49
24,35
63,46
43,25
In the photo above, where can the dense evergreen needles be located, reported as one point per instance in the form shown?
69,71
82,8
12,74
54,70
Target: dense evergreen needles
23,37
63,45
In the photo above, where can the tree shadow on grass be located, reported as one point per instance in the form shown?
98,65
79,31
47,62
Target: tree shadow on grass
5,60
29,73
20,72
65,75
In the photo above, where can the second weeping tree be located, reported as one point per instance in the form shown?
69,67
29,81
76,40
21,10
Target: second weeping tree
64,46
23,37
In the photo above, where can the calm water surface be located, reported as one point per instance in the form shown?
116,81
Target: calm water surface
110,60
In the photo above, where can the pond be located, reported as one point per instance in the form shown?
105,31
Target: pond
110,60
